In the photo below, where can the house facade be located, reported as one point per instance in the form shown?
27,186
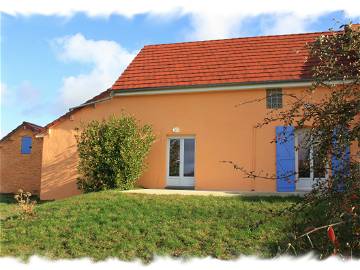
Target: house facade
204,100
20,159
194,133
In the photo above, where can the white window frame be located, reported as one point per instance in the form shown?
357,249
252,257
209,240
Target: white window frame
181,180
311,177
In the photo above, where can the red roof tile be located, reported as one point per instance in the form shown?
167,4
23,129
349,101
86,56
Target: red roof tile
237,60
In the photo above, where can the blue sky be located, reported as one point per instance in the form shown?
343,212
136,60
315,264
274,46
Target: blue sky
57,56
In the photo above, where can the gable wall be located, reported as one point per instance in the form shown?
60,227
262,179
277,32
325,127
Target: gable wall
20,171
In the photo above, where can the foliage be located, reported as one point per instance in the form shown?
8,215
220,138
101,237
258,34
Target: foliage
111,224
25,204
333,124
112,153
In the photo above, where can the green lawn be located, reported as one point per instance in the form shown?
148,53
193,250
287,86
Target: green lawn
129,226
7,206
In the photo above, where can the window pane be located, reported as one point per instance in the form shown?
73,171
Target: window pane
303,156
274,98
189,150
174,159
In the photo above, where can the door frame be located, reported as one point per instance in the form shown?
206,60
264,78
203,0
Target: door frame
190,181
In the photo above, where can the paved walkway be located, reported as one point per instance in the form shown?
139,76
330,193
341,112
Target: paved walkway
210,193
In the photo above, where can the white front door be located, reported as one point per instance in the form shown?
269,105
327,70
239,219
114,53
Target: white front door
305,160
181,162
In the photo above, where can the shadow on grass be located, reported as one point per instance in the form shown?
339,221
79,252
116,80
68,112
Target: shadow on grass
8,198
270,199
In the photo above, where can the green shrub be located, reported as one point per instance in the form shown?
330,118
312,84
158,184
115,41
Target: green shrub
112,153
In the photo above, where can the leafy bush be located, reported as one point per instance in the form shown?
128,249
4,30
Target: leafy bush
112,153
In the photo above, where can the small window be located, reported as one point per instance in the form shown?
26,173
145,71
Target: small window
274,98
26,145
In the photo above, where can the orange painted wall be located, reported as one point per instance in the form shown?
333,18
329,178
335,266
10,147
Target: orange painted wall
222,131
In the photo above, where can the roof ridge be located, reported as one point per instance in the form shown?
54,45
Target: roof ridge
29,123
236,38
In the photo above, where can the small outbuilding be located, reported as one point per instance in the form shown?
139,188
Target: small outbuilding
20,159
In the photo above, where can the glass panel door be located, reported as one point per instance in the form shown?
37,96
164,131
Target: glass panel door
174,160
308,167
181,162
189,157
303,155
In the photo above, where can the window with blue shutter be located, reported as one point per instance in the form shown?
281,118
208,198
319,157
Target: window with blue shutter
26,144
285,159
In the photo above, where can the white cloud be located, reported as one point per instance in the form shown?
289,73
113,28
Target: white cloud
26,92
213,26
108,60
23,94
210,19
285,24
22,99
3,92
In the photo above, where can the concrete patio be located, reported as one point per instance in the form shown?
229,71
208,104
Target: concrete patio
210,192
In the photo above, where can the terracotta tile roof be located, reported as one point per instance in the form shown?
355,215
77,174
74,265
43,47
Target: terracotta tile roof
215,62
227,61
33,127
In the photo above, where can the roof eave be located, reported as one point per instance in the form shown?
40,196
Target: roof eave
212,87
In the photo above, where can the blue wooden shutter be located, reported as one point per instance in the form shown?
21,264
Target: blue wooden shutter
285,159
26,143
340,162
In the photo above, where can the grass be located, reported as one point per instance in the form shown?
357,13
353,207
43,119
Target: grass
129,226
7,206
